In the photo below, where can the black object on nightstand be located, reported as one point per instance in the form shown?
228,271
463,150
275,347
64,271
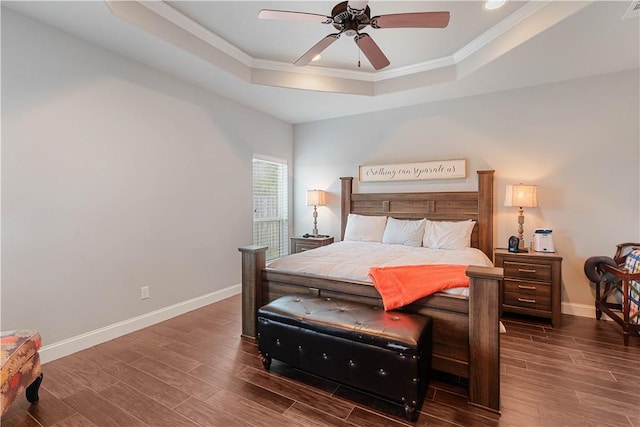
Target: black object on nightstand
303,243
532,283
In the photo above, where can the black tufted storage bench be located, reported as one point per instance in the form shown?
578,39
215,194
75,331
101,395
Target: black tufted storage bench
359,345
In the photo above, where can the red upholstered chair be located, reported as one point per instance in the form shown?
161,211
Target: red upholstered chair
20,366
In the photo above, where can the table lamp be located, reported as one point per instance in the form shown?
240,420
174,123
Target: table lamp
315,198
522,196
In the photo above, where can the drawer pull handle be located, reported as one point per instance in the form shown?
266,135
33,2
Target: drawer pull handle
527,300
533,288
526,270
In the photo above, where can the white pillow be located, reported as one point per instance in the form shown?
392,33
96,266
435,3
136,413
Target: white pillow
404,232
448,234
365,228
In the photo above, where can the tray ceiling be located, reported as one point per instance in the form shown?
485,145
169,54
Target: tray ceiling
223,47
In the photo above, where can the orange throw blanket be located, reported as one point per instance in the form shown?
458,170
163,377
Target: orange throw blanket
405,284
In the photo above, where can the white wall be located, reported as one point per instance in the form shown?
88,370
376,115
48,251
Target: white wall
115,176
579,141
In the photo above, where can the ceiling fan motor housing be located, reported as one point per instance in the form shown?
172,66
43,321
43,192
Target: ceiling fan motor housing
345,20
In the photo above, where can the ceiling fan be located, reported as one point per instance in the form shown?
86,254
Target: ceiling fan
349,18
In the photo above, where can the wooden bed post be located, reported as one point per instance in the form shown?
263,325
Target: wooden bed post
484,336
485,212
345,201
253,262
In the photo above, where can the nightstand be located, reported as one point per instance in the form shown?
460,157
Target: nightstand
532,283
299,243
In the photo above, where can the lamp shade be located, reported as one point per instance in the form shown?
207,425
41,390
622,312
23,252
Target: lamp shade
524,196
315,198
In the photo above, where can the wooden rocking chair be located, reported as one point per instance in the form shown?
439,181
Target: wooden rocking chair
618,274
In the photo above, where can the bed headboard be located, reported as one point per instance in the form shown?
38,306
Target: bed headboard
442,206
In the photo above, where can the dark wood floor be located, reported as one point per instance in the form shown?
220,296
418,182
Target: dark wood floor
195,370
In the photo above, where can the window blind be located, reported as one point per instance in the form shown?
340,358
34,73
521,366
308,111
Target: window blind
270,207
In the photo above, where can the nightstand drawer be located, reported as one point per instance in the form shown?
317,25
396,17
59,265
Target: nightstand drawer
527,294
525,270
527,288
300,246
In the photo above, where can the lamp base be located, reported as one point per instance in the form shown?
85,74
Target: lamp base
521,247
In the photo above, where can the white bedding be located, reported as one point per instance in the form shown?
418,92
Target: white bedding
352,260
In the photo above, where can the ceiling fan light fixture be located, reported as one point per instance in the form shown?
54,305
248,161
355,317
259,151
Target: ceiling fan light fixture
318,57
494,4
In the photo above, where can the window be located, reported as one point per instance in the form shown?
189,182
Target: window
270,207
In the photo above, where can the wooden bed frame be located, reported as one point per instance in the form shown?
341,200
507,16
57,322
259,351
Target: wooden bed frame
466,334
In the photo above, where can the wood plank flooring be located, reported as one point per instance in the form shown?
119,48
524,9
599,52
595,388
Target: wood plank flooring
195,370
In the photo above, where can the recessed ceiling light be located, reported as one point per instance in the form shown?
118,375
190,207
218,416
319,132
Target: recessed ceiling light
494,4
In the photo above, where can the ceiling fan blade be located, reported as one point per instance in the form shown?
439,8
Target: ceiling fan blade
371,51
294,16
357,7
412,20
315,50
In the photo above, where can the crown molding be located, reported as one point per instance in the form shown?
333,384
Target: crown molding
183,21
499,29
311,70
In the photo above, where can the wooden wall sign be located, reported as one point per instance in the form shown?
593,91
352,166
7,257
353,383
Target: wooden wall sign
438,169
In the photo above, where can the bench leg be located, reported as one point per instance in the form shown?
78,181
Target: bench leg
410,411
266,362
33,388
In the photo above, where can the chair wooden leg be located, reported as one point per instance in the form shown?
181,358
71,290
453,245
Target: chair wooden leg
33,388
598,311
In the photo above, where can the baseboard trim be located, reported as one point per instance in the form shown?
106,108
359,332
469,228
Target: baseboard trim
71,345
582,310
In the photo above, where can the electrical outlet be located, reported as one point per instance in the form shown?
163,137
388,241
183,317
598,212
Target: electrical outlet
144,292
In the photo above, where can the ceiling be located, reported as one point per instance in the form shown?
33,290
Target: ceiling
223,47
